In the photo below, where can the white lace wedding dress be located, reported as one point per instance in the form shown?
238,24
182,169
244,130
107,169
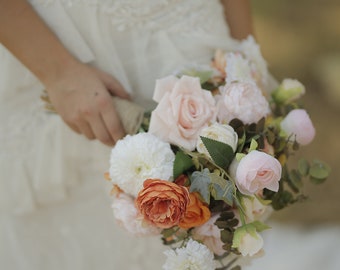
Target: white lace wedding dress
54,201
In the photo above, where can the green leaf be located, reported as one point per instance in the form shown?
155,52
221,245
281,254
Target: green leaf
295,181
253,145
200,182
241,142
203,75
263,201
319,170
226,236
239,156
222,189
317,181
221,153
303,167
182,163
260,226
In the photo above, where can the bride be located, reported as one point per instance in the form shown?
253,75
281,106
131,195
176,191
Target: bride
55,208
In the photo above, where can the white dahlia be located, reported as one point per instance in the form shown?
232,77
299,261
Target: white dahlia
137,158
194,256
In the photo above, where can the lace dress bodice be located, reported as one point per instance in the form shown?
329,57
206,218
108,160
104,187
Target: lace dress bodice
172,15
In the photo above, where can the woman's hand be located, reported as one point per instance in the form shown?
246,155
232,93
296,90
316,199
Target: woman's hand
82,96
79,93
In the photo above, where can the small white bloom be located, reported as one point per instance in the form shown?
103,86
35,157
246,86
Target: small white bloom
218,132
244,101
252,51
250,245
137,158
127,216
194,256
247,240
255,210
288,91
291,83
210,235
238,69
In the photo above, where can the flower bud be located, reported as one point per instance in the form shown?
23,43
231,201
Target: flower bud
288,91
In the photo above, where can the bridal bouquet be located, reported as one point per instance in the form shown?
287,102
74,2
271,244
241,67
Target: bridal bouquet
209,164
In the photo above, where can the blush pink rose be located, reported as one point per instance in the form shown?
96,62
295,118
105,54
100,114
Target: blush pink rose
298,124
184,108
210,235
256,171
244,101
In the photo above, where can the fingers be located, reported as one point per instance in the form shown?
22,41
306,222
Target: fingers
86,129
103,122
114,86
112,122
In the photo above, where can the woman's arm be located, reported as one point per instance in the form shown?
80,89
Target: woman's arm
79,93
238,17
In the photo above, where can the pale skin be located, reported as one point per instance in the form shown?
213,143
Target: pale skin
81,94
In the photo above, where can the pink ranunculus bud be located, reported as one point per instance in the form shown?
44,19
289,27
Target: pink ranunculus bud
256,171
298,124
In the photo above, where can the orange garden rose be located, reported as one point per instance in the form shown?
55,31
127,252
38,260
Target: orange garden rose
197,213
162,203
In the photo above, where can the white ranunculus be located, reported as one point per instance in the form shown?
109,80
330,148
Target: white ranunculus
127,216
191,257
218,132
244,101
250,244
247,240
137,158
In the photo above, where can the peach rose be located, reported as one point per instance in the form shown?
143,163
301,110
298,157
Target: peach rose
219,62
184,108
182,180
162,203
196,214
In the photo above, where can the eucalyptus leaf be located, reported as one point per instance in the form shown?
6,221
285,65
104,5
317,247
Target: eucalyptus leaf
317,181
303,167
295,180
319,170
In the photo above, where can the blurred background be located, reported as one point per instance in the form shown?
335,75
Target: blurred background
301,40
